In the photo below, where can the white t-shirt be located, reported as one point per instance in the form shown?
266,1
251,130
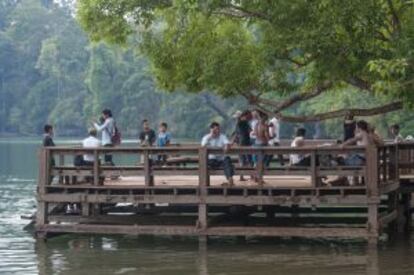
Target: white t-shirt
219,141
90,142
107,129
274,132
253,124
295,158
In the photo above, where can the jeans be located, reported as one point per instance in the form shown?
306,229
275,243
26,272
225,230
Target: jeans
260,157
270,157
245,160
108,157
225,163
355,160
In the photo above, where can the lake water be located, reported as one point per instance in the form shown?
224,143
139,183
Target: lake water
85,254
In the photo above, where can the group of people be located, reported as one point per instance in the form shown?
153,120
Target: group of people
253,128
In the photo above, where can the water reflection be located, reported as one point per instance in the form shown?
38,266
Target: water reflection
139,255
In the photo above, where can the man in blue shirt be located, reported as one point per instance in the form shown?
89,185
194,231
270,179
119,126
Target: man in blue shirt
163,139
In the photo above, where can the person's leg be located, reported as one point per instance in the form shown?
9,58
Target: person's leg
268,160
228,169
280,156
108,157
304,162
243,163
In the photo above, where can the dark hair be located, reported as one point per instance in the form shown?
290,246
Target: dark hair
349,117
362,124
214,124
301,132
164,124
144,120
107,112
47,128
263,116
395,126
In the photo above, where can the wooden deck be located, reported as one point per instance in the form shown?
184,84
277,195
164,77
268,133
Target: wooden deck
192,200
270,181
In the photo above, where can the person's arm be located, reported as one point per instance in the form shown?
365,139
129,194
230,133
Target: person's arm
300,143
168,139
141,137
378,141
100,128
351,141
205,140
266,132
152,137
226,142
48,142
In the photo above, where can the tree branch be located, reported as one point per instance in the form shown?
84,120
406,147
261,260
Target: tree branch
216,107
359,83
240,12
395,19
394,106
319,89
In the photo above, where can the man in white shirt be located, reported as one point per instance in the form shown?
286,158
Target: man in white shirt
90,142
216,139
297,142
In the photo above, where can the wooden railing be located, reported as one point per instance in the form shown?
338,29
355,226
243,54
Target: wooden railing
382,160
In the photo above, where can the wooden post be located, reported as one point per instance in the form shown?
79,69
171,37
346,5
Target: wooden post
406,201
48,158
96,168
43,179
313,167
61,163
203,181
373,197
260,165
85,209
149,178
384,165
393,206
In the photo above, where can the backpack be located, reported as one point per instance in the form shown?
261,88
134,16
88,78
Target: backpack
116,136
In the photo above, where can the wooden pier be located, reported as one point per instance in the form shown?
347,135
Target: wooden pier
185,197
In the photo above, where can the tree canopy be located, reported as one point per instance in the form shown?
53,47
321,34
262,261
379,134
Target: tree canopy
51,73
273,53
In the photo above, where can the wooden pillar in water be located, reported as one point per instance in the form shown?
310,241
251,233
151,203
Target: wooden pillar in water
373,196
204,181
43,181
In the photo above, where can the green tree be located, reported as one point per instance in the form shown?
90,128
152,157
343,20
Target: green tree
273,53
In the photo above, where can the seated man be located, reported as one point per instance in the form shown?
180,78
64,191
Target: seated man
216,139
90,142
299,141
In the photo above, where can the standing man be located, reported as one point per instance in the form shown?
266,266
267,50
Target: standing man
90,142
48,136
48,141
107,128
242,138
216,139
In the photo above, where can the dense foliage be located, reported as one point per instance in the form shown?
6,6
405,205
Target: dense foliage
49,72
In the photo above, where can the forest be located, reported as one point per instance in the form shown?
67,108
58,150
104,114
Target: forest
51,72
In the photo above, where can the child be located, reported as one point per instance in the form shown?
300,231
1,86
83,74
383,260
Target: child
163,139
